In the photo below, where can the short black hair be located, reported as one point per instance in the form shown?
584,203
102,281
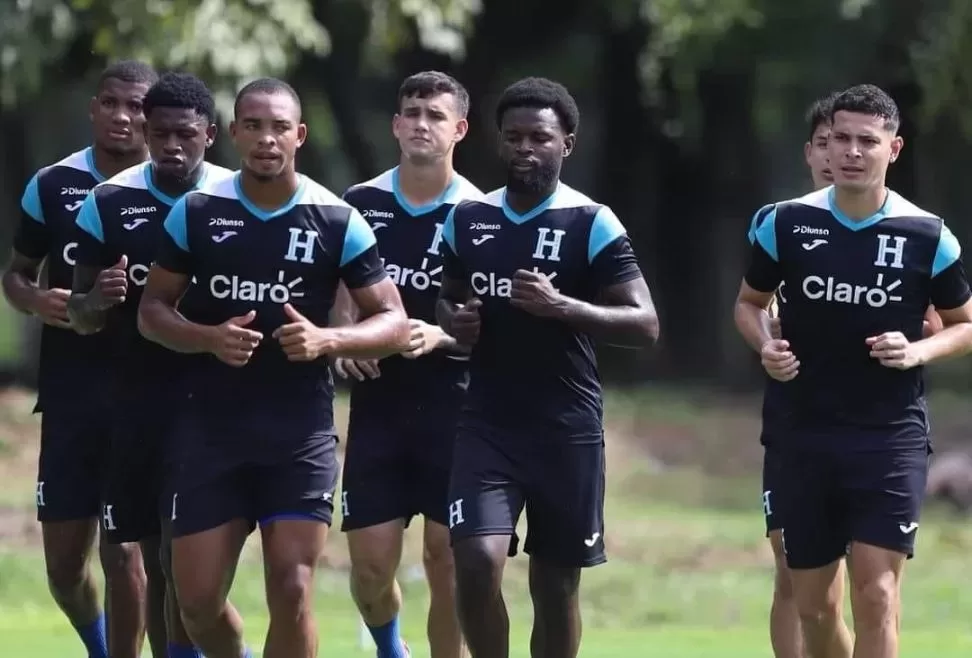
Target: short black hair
820,112
540,93
266,86
129,70
870,100
181,90
432,83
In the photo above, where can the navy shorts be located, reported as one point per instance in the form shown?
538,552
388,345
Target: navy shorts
560,483
396,465
135,496
260,467
772,481
73,451
833,498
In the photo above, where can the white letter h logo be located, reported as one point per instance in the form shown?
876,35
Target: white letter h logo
544,243
305,243
455,514
896,252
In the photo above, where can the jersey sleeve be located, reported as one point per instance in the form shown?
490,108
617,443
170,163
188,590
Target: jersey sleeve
764,272
949,282
33,238
173,253
92,250
452,267
360,264
609,252
757,221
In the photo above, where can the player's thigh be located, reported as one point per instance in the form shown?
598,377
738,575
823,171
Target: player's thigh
134,480
814,531
203,565
885,491
296,482
565,506
486,492
772,483
374,481
71,465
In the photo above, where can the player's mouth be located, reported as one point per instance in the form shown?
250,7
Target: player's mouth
171,162
267,158
827,174
851,170
418,139
524,165
119,134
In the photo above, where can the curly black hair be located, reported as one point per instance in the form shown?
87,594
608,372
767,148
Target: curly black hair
540,93
181,90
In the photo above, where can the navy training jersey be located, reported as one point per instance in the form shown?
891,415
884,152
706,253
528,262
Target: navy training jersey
845,281
68,361
124,215
530,373
244,259
409,241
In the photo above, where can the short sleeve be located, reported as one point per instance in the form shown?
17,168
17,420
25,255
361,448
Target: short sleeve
764,272
365,269
949,282
758,220
358,238
609,251
32,238
452,267
92,250
173,253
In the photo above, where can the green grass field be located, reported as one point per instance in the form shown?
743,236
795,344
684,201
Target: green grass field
689,575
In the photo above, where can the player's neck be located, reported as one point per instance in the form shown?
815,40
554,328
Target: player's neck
523,201
859,205
109,164
177,187
421,185
269,194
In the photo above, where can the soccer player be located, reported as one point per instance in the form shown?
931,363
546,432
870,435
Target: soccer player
532,275
861,265
121,227
785,632
71,395
402,421
267,248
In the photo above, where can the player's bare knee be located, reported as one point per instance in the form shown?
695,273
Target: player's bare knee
875,599
783,583
121,560
199,606
478,565
65,573
372,575
439,562
289,589
553,586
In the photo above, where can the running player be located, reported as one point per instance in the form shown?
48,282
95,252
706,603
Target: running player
71,397
267,247
861,265
546,270
785,632
402,423
121,227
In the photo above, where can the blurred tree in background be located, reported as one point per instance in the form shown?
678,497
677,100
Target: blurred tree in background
692,111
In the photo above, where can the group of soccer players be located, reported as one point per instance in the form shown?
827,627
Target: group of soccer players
869,289
191,314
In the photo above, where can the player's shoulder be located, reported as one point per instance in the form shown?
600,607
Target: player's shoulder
567,198
133,178
462,189
312,193
898,207
214,173
382,183
69,167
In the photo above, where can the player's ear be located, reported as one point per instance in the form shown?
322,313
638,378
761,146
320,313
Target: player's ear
807,150
462,127
92,107
301,134
569,142
232,128
896,145
396,124
211,131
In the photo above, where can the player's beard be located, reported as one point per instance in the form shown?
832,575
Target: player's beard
540,179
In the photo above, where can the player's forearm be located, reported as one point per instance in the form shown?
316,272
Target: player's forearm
374,337
950,342
84,318
753,323
621,326
164,325
21,291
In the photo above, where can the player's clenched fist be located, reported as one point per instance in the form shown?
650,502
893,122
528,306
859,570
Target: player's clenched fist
234,343
780,363
51,307
111,286
892,349
300,338
465,322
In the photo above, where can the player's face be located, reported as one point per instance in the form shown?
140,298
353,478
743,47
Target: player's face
533,146
177,140
427,129
267,132
860,149
116,117
817,157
